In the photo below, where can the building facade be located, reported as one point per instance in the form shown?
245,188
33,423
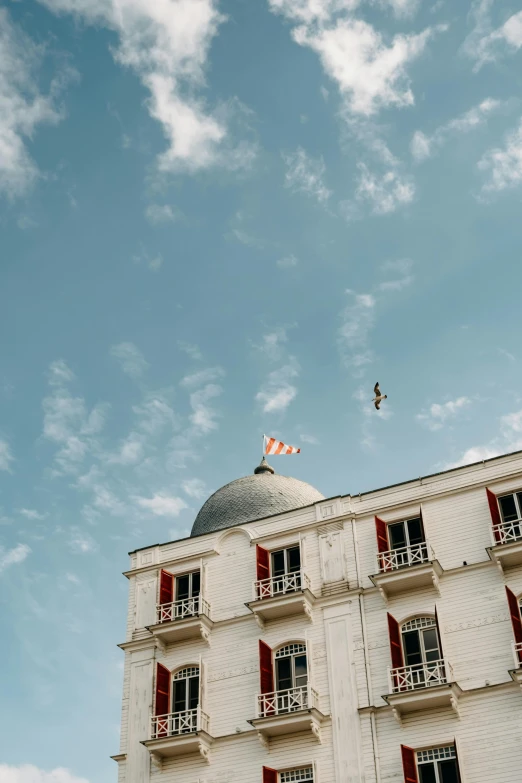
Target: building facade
292,638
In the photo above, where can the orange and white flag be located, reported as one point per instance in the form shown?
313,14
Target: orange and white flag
273,446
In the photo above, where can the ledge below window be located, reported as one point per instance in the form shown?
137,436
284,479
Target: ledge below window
506,555
421,699
309,720
283,605
195,627
402,580
179,745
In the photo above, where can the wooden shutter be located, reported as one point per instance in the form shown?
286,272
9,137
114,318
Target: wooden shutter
409,765
381,529
262,562
459,773
201,695
495,514
265,668
514,611
166,588
269,775
395,642
438,633
162,705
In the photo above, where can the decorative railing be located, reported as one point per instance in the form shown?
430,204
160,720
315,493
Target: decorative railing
507,532
176,723
179,610
517,653
280,585
403,557
420,675
283,702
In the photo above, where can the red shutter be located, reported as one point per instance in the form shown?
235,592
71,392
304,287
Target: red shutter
408,765
166,588
382,535
269,775
395,645
265,668
162,705
514,611
495,514
262,562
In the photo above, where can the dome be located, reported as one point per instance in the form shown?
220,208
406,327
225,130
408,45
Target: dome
253,497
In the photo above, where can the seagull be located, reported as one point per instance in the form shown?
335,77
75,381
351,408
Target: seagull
378,396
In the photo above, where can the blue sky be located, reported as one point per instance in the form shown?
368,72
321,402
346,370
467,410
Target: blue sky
219,220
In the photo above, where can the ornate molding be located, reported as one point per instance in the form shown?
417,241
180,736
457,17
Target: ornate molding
156,761
215,676
477,623
204,752
263,740
316,731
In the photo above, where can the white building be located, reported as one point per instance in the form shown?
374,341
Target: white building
374,638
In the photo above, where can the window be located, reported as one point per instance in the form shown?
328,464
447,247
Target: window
421,647
407,533
185,699
511,511
302,775
438,765
286,561
290,667
188,586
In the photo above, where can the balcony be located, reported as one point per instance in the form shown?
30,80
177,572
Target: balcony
516,673
282,596
408,568
423,686
287,712
179,734
507,549
185,619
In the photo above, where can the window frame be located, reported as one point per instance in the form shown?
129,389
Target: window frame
176,677
309,768
285,551
420,631
518,506
436,761
190,575
404,523
292,656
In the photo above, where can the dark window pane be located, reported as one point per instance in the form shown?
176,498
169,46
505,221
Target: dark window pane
195,583
180,695
415,531
278,563
283,674
448,771
301,672
508,508
431,644
412,648
294,559
182,587
193,693
397,536
427,773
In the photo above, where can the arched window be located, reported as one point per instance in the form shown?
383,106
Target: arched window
422,652
185,699
291,667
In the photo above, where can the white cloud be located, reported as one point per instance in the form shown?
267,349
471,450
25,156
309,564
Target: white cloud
503,165
438,414
31,513
24,106
486,45
509,440
167,45
155,414
423,146
311,439
27,773
129,452
131,359
10,557
273,344
164,213
80,542
385,194
370,75
203,417
6,456
305,174
59,373
194,488
401,8
287,261
202,377
191,350
278,391
162,505
309,11
357,318
402,267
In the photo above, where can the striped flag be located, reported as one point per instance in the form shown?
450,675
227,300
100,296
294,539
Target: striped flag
273,446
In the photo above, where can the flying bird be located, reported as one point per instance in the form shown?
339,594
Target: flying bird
378,396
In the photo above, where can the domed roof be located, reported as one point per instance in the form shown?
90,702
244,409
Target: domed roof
253,497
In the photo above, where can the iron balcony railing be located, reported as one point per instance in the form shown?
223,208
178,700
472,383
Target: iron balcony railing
176,723
284,702
403,557
507,532
517,654
420,675
280,585
179,610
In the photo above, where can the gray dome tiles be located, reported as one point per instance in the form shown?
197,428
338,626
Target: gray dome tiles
253,497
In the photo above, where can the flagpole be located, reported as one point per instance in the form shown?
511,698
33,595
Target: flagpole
263,448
